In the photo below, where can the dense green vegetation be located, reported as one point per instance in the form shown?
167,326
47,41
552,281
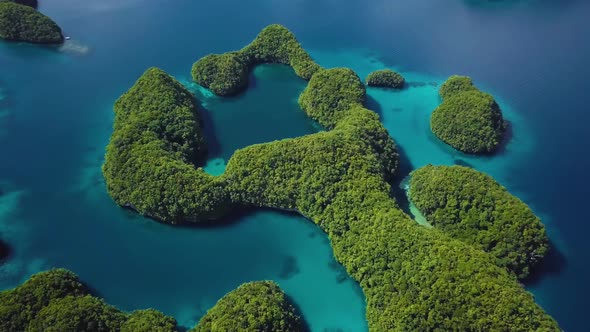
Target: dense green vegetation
57,301
456,84
77,313
468,120
253,307
149,161
386,78
331,94
30,3
224,74
473,207
23,23
148,320
414,278
19,306
227,74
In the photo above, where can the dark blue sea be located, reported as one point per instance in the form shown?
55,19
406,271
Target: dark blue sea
56,117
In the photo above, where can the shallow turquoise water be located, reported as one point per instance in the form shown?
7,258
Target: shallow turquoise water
56,117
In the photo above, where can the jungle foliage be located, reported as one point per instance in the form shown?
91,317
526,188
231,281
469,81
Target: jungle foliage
19,306
414,278
77,313
386,78
472,207
149,320
57,301
259,306
227,74
456,84
24,23
149,163
468,120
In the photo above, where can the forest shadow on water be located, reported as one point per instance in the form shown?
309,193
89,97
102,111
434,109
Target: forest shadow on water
207,123
551,265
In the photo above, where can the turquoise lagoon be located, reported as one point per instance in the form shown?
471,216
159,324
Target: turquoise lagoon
56,118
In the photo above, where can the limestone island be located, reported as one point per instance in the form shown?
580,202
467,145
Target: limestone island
57,301
468,120
252,307
414,278
474,208
386,78
227,74
21,22
157,139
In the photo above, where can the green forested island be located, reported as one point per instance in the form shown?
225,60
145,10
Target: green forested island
386,78
473,207
149,161
468,119
253,307
227,74
22,22
57,301
414,278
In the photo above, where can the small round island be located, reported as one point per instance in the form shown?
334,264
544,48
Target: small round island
468,119
386,78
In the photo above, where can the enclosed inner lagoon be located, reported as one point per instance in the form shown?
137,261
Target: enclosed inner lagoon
55,211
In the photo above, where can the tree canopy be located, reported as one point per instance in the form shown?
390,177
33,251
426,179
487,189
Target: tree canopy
24,23
468,120
472,207
386,78
414,278
21,305
259,306
57,301
227,74
149,163
148,320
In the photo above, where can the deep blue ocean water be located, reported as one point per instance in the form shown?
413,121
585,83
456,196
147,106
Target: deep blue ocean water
56,117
